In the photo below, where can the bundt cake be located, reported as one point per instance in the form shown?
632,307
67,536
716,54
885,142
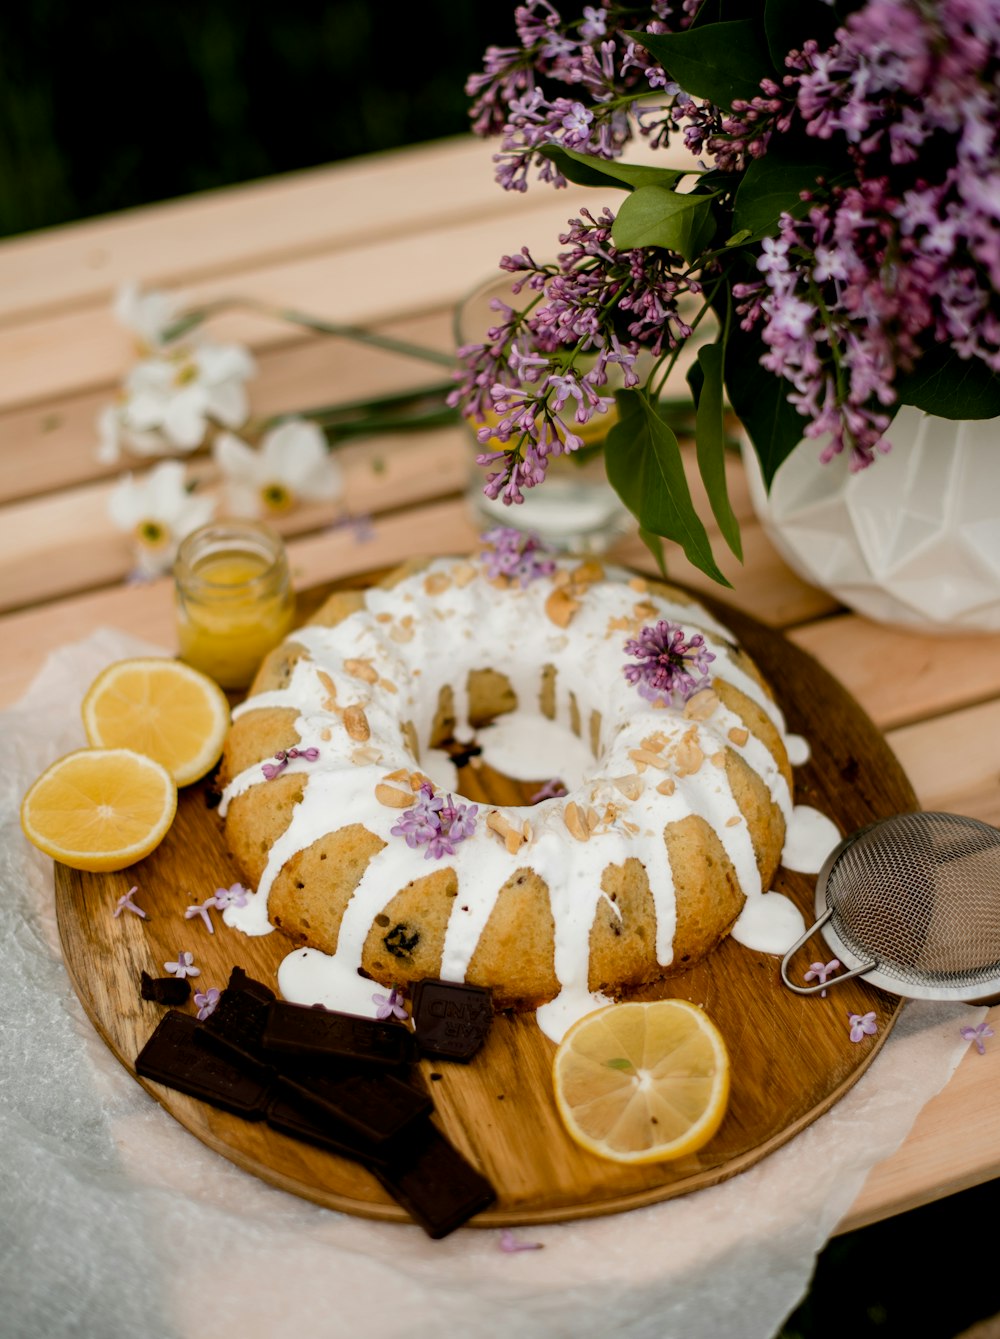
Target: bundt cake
634,869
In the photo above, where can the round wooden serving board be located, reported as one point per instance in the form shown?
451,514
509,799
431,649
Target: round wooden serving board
791,1056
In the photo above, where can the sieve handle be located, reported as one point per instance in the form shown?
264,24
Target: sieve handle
820,985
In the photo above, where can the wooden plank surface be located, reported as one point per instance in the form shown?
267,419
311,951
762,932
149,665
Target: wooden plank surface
393,241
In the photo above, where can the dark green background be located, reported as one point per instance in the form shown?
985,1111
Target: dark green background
105,106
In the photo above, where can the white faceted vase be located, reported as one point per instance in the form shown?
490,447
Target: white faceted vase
914,540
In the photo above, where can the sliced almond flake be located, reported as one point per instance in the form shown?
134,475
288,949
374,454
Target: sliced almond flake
629,827
649,758
739,736
400,632
593,818
365,754
356,723
688,757
527,831
560,608
732,822
718,759
400,774
636,756
326,733
630,786
513,840
560,577
417,779
392,796
587,572
463,574
644,610
436,583
383,618
701,705
666,786
328,684
387,686
655,743
576,822
619,623
639,584
361,669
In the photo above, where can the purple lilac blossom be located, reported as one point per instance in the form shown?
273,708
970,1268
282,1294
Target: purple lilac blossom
390,1006
202,909
437,822
125,903
525,386
978,1035
862,1025
283,757
184,966
673,666
819,971
206,1001
517,555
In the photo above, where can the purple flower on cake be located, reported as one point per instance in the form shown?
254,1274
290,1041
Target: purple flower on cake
672,668
517,555
125,903
819,971
202,909
437,822
552,790
390,1006
978,1034
206,1000
184,966
283,757
862,1025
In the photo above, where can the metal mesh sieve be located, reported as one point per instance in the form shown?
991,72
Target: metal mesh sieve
912,904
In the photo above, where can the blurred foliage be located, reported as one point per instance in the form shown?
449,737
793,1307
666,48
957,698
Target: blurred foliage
106,106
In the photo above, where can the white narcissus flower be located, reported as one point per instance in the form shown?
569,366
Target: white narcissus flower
176,394
148,314
158,511
291,463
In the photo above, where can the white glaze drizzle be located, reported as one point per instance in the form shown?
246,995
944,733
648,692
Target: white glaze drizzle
419,641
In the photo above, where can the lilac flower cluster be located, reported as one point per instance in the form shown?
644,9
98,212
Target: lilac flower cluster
516,555
908,255
437,822
234,896
590,312
673,666
530,94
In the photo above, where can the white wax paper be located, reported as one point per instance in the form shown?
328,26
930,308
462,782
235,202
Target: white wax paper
115,1222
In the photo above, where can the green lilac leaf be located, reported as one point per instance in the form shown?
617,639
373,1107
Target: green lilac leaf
710,444
772,186
644,466
655,545
720,62
759,400
586,169
652,216
950,387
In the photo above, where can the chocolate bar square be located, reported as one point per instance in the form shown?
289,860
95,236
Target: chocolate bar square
300,1030
164,989
452,1019
435,1184
379,1108
172,1057
235,1027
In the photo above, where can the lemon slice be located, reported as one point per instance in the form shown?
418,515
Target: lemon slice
100,809
642,1082
162,708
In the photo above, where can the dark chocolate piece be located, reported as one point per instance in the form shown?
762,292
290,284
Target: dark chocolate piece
452,1019
296,1029
379,1108
436,1186
302,1122
172,1057
235,1027
165,989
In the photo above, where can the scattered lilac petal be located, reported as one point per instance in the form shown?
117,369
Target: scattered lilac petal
234,896
206,1000
202,909
510,1244
552,790
862,1025
125,903
390,1006
282,759
819,971
978,1035
184,966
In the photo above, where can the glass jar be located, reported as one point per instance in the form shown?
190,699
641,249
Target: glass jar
575,508
233,597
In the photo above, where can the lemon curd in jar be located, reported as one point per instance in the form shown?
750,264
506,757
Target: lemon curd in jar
234,599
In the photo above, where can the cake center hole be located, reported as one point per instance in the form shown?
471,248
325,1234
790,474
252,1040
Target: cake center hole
528,747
